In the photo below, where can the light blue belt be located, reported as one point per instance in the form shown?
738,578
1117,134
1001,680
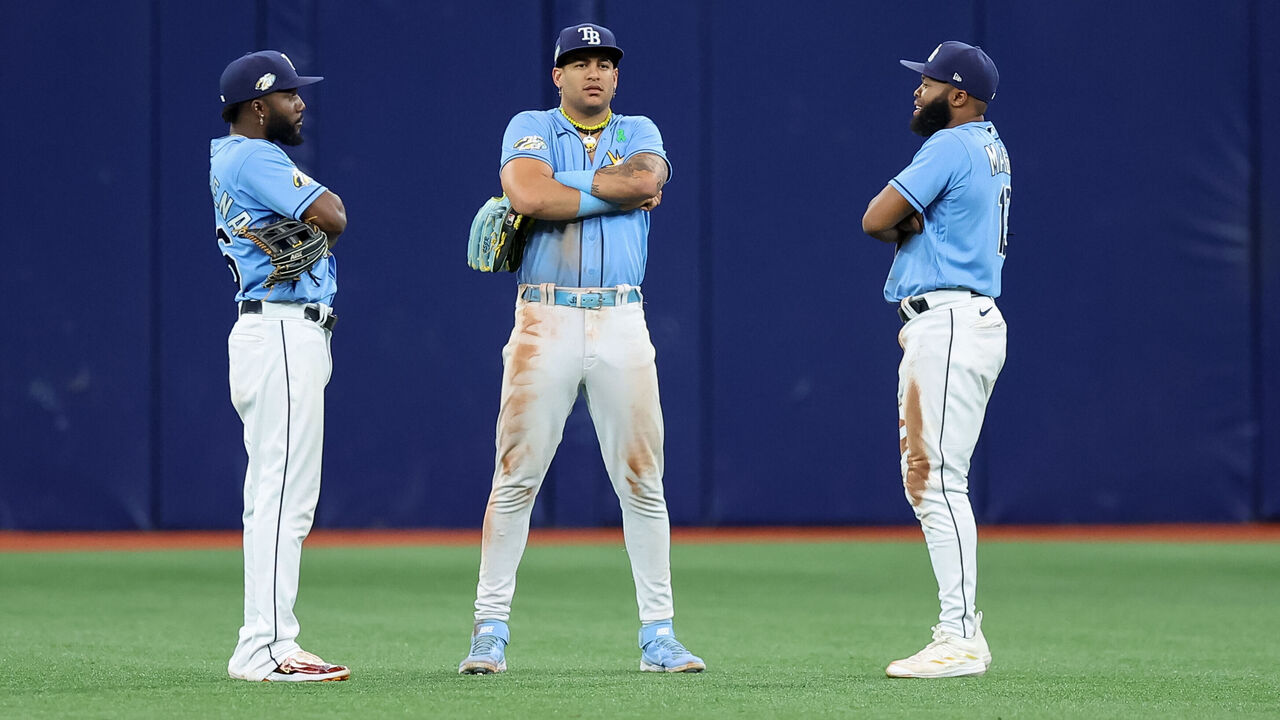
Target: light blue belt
587,300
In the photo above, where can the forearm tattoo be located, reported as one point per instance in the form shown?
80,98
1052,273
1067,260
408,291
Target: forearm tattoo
631,169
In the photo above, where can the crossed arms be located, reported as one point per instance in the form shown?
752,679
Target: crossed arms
890,218
329,214
534,191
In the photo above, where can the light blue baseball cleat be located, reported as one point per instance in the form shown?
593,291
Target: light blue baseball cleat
488,649
662,652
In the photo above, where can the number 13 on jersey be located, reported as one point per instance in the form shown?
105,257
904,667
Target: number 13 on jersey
1005,193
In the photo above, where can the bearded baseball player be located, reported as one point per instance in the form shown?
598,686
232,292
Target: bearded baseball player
589,176
948,215
278,348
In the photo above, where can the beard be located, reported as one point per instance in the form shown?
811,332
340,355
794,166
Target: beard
932,117
282,131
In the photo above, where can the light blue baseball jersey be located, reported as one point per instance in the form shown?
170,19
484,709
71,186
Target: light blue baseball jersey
599,251
959,179
254,183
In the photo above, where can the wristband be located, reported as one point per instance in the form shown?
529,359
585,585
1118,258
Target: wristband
589,204
576,179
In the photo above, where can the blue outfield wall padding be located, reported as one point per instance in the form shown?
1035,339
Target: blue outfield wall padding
1141,287
201,450
1266,29
1126,394
75,381
409,135
808,122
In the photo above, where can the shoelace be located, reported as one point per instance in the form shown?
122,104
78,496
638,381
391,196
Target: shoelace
485,644
672,646
939,635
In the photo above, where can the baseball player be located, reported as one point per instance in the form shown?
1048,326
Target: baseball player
279,354
948,215
588,176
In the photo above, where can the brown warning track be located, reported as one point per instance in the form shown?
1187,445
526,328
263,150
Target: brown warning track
20,541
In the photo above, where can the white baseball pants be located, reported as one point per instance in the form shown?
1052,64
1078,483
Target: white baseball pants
554,351
951,356
280,365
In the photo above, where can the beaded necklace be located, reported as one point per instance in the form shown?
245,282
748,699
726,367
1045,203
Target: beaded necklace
588,141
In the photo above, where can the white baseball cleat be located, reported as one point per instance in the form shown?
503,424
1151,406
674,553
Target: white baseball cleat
947,656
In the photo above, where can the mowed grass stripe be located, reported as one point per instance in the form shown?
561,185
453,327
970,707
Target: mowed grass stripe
788,630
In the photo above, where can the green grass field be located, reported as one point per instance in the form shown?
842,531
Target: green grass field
788,630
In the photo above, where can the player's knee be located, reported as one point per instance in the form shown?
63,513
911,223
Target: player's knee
645,497
514,496
936,504
647,508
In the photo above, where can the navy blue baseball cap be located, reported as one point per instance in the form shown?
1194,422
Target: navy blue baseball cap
965,67
258,73
587,36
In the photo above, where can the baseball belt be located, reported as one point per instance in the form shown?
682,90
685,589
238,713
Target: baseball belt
920,303
310,311
588,300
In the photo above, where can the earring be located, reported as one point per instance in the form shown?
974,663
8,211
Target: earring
259,121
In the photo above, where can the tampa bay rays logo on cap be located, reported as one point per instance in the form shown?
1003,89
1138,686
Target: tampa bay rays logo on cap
265,82
934,54
590,35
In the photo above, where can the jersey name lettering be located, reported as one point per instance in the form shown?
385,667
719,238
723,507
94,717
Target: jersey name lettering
224,207
998,157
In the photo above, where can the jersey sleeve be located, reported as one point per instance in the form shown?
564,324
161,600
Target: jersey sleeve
931,171
271,177
527,135
646,139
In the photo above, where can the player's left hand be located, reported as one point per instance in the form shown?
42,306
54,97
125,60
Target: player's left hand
292,246
912,224
652,202
909,227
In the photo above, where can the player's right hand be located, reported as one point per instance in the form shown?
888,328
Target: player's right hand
647,204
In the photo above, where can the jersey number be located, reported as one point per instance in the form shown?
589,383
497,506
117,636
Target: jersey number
231,263
1005,194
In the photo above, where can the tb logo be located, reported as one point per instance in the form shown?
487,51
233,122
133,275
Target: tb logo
590,35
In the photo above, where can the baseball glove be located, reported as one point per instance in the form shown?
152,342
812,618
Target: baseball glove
293,247
498,235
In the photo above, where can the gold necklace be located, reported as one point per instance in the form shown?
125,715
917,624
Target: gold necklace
588,141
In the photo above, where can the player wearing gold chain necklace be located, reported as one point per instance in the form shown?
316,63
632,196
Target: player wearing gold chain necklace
587,176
